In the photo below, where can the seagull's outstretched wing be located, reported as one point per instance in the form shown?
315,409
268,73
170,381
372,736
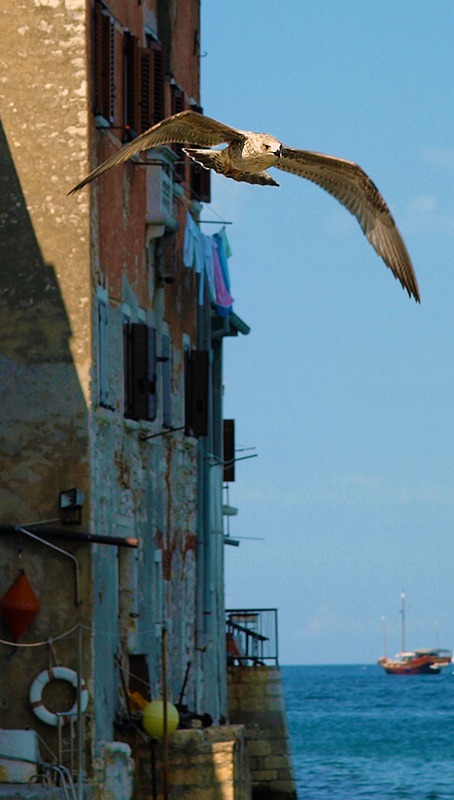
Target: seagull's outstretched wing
187,127
349,184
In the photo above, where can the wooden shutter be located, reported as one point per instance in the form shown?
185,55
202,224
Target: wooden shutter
158,81
229,450
146,83
136,382
112,86
151,373
131,82
104,64
200,180
166,381
151,102
197,384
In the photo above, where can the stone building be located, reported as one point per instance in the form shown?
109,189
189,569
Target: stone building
113,315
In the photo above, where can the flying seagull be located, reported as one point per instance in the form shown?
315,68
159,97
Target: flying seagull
248,156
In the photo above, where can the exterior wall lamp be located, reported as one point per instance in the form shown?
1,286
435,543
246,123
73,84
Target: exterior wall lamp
70,504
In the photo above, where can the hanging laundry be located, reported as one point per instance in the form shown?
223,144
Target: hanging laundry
223,297
223,235
209,267
220,246
191,240
208,256
199,253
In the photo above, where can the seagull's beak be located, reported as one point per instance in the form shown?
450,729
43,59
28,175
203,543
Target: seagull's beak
278,152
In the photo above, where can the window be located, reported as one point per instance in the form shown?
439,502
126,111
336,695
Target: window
196,392
103,382
104,64
138,675
177,106
140,371
200,177
229,450
166,359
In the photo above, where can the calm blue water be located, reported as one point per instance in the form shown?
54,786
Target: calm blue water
358,733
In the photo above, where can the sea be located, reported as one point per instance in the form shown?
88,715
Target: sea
361,734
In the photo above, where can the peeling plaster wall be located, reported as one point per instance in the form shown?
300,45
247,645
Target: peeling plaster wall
148,488
145,489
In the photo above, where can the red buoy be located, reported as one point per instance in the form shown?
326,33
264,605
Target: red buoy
19,606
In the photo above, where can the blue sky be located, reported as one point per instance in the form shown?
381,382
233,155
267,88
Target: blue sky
344,385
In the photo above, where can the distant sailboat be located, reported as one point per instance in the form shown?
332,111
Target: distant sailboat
415,662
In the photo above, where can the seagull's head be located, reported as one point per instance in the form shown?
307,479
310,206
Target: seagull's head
270,145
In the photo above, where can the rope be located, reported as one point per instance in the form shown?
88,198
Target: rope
52,639
40,644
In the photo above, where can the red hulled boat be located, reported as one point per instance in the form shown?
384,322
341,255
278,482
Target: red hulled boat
417,662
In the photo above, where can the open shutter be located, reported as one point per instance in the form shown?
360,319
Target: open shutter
131,81
166,381
104,64
229,450
158,82
112,86
146,84
197,392
151,102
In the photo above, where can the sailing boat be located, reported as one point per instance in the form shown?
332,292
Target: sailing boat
414,662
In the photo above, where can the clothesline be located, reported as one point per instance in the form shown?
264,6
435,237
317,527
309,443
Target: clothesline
208,256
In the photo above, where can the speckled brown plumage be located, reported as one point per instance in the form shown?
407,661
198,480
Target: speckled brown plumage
249,155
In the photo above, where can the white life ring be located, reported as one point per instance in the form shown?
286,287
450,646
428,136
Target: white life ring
36,692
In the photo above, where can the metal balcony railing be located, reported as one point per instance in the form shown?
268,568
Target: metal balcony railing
252,636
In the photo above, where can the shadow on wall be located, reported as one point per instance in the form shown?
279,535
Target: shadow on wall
43,433
43,444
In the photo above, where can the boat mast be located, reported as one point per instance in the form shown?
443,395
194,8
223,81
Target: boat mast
383,627
402,611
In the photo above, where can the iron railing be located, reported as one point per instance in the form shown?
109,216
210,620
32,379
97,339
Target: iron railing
252,636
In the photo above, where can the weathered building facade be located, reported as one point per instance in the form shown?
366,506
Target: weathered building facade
113,313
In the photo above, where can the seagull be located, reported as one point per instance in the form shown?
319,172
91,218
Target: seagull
248,156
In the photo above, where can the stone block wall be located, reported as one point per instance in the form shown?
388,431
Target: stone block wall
256,700
204,764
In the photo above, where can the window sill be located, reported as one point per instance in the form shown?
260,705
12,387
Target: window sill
140,425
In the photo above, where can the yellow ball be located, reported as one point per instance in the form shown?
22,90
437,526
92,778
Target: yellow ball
153,718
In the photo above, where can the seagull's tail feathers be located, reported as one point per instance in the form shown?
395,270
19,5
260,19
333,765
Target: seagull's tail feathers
215,159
